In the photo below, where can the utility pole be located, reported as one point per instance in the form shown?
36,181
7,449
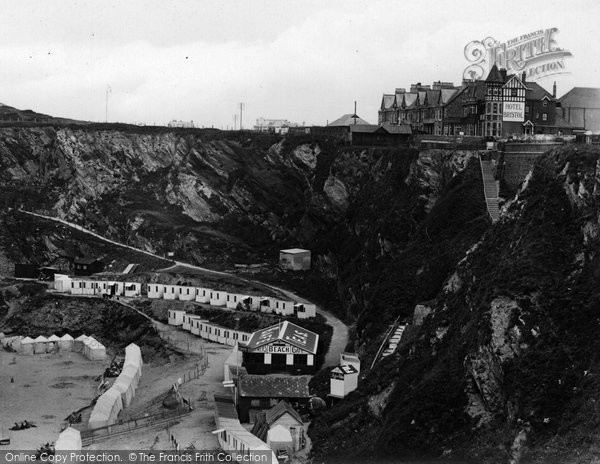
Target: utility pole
355,116
242,107
234,121
108,90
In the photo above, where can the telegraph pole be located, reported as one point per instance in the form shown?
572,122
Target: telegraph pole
242,106
234,121
108,90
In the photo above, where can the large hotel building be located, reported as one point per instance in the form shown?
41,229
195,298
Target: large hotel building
499,106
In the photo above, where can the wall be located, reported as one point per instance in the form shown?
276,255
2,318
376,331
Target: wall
519,159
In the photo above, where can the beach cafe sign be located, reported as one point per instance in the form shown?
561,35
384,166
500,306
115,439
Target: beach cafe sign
536,54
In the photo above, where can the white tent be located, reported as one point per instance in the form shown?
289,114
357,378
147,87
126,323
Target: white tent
26,346
279,438
133,373
40,345
78,343
93,349
133,356
53,341
106,410
66,343
68,440
126,385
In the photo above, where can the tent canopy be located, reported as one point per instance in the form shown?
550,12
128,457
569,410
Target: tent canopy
66,337
81,338
53,338
40,338
27,340
68,440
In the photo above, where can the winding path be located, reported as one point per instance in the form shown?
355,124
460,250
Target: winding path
339,338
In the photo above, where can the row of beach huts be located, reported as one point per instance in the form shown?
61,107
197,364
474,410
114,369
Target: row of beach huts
218,298
88,346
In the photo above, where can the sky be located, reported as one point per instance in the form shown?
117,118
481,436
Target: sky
304,61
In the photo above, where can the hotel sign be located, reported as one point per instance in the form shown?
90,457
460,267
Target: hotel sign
513,111
536,54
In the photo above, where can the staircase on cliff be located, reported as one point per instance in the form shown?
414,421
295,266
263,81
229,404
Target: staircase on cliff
490,188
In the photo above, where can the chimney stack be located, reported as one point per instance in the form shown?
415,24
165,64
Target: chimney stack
523,76
554,90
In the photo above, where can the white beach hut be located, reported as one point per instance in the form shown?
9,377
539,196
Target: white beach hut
78,343
66,343
26,346
40,345
53,341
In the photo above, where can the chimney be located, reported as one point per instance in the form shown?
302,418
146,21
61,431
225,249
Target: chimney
523,76
554,90
503,74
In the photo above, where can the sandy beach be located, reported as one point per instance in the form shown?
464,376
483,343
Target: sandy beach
46,389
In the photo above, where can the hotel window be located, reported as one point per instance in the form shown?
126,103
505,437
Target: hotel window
544,116
513,92
526,110
545,103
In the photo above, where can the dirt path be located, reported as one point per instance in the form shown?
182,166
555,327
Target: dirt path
339,338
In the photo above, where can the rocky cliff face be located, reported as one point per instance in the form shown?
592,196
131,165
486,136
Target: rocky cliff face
500,353
499,365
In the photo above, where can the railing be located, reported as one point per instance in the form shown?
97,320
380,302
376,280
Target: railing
91,436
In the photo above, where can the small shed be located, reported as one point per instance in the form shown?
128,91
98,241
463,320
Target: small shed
26,346
53,342
295,259
87,266
40,345
66,343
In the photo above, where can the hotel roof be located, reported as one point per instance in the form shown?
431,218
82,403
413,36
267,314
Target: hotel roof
286,332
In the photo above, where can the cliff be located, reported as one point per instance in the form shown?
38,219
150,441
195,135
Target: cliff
499,361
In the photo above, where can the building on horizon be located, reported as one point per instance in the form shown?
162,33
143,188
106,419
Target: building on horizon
181,124
580,107
502,105
275,126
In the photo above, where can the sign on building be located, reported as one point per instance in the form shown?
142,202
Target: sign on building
513,111
536,54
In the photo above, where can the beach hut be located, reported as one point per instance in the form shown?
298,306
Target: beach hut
203,295
66,343
94,350
218,298
187,293
132,289
40,345
155,290
26,346
78,343
284,308
176,317
68,440
53,341
62,283
279,439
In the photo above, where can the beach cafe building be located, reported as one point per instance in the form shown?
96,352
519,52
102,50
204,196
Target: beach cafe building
285,347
